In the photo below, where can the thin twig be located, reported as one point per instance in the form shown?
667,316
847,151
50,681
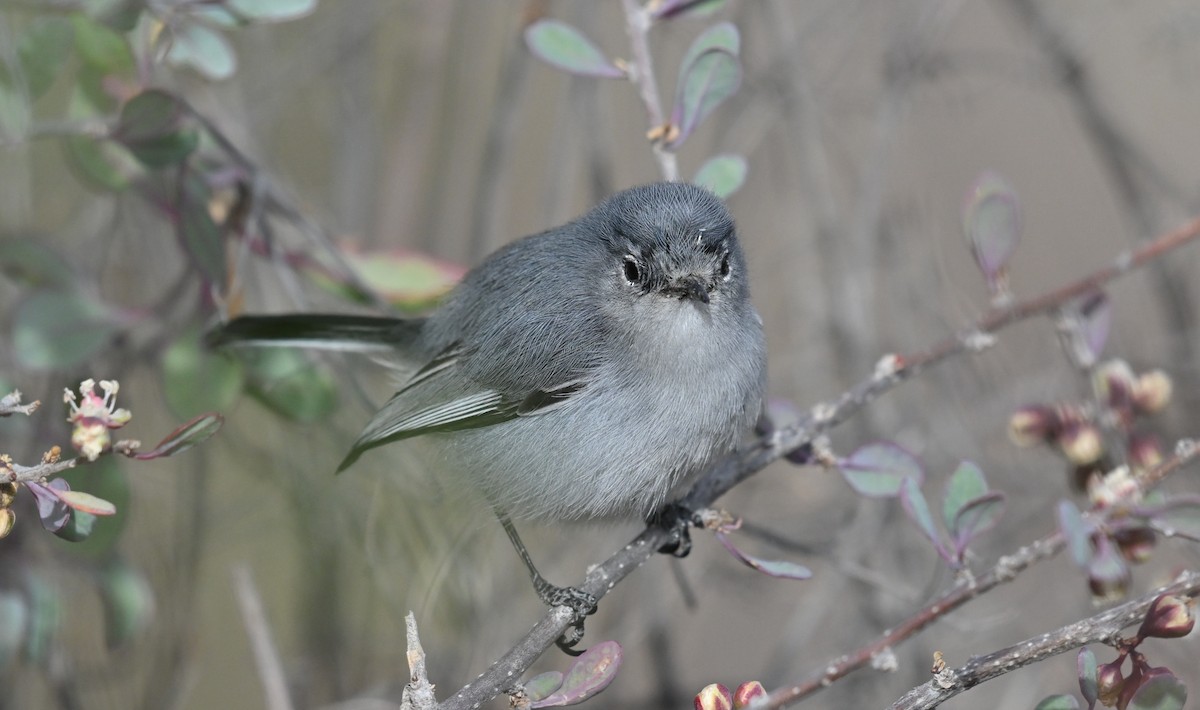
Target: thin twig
418,694
1101,628
730,471
638,22
266,656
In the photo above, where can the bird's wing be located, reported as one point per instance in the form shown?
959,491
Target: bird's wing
439,397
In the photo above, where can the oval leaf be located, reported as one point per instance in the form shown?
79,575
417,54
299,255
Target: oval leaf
561,45
1162,691
1058,702
150,126
185,437
99,47
878,469
773,568
671,9
976,516
57,329
196,379
52,511
128,603
289,384
992,223
966,483
85,502
913,502
722,174
271,10
43,49
592,672
1090,317
542,685
1076,532
408,279
203,49
200,236
78,528
14,616
713,77
1085,664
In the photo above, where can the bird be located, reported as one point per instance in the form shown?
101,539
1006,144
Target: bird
581,373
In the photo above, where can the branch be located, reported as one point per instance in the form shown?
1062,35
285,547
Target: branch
1101,628
266,656
730,471
637,24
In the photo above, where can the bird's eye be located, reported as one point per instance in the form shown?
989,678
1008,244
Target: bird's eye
726,269
633,272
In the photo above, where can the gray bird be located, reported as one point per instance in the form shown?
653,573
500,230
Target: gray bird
580,373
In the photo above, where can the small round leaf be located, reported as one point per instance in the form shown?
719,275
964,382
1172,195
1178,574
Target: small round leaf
561,45
878,469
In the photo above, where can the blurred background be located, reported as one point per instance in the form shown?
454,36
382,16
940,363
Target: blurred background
427,127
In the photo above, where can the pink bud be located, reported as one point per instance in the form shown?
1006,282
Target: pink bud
1169,617
714,696
747,693
1109,682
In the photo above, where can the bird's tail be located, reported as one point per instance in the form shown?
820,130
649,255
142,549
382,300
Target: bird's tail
344,333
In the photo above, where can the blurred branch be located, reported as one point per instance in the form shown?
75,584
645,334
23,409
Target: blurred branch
418,694
1101,628
730,471
266,656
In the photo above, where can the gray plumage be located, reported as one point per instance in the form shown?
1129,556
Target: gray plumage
578,373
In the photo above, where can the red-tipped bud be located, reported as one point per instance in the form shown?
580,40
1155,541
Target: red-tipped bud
1152,391
1145,452
1033,424
1135,545
1109,682
1081,444
747,693
1114,383
714,696
1169,617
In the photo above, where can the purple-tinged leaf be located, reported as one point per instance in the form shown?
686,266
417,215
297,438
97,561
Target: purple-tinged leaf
542,685
1090,318
773,568
1085,667
965,484
1058,702
1159,690
710,73
79,527
722,175
913,502
53,512
1076,532
878,469
992,224
561,45
591,673
86,502
185,437
1107,571
977,516
151,127
671,9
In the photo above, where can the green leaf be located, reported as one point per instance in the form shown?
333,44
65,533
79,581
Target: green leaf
966,483
79,527
45,615
1085,664
128,603
1059,702
773,568
185,437
196,379
722,174
723,36
976,516
410,280
542,685
287,383
43,49
57,329
1076,532
151,127
202,239
992,223
33,263
913,502
709,74
1162,691
271,10
15,114
100,47
561,45
203,49
879,469
104,478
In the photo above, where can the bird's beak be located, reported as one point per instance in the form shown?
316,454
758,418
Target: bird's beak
692,287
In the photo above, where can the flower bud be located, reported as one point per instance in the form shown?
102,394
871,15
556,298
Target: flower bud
1114,383
1145,452
1169,617
1109,682
8,493
1152,391
1033,424
747,693
1081,443
1136,545
7,520
714,696
1116,486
